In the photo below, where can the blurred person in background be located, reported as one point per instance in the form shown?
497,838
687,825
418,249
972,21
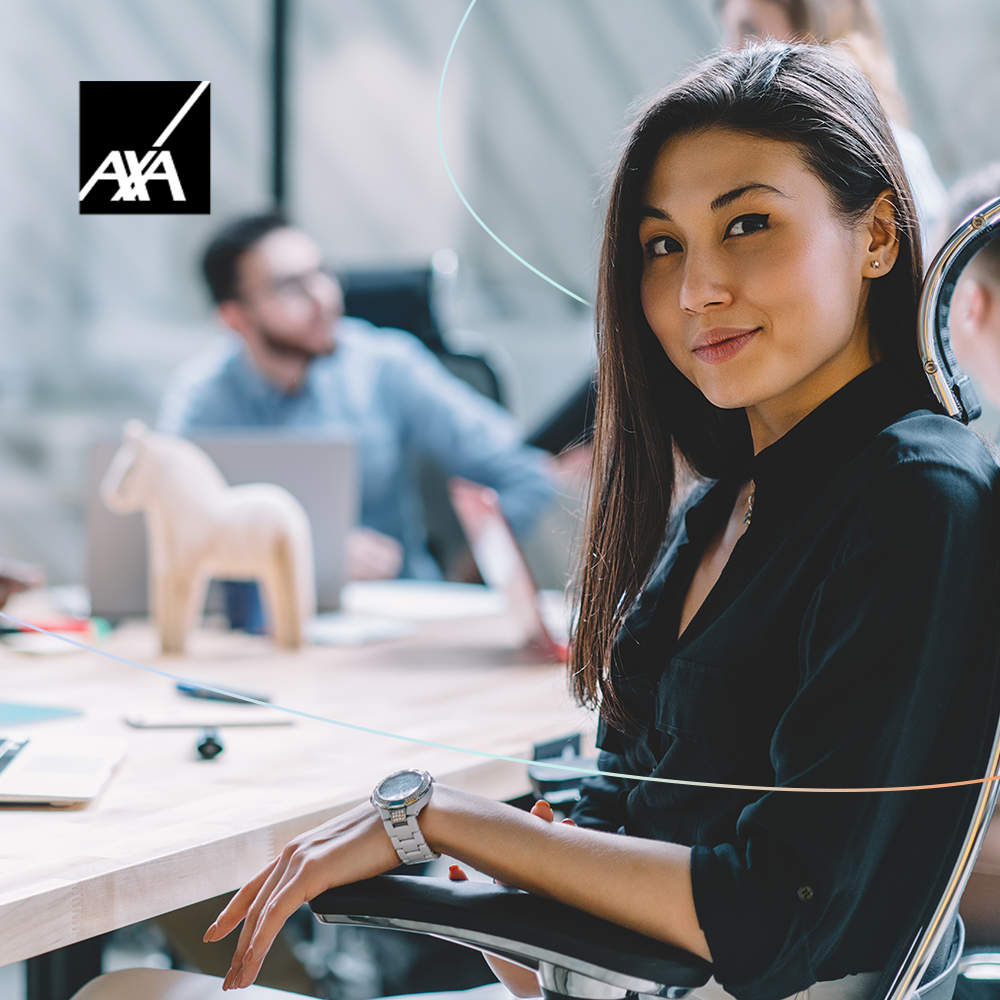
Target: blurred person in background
298,363
853,26
974,317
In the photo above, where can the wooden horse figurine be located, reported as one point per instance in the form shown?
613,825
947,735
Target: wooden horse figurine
198,527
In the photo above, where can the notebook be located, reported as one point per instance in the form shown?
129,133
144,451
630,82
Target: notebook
56,770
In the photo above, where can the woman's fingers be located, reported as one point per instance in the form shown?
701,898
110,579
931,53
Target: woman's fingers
236,908
346,849
253,912
543,810
569,822
271,918
456,874
283,868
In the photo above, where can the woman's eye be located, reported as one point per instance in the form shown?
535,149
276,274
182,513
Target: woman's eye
662,246
747,224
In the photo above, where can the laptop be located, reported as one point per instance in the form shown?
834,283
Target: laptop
542,615
56,770
320,471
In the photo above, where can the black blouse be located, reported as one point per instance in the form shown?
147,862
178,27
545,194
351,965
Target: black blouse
840,648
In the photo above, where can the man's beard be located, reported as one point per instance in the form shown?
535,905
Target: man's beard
286,350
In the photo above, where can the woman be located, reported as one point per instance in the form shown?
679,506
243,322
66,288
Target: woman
756,319
853,26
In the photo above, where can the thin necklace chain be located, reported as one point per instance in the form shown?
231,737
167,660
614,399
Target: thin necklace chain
749,514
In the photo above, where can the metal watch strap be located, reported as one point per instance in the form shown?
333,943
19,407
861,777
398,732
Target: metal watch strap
399,808
406,836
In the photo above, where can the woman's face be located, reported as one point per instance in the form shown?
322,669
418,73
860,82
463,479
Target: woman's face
747,21
752,283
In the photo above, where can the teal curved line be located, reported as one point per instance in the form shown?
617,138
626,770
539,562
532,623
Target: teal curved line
474,753
454,183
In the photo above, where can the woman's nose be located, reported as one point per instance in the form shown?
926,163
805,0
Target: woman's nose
704,283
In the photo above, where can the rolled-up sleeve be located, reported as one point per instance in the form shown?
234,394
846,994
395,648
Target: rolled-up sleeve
600,796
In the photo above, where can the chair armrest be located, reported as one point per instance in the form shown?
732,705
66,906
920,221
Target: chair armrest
512,924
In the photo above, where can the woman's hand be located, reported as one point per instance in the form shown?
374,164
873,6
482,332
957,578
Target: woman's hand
520,981
346,849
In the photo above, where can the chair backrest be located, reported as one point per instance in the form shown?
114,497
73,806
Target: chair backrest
954,391
571,422
476,370
395,297
402,298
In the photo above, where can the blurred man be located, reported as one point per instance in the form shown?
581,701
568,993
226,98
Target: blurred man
299,363
974,317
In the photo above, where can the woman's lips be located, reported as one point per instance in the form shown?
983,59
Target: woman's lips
724,347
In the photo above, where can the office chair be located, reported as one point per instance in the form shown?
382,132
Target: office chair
402,298
570,423
579,956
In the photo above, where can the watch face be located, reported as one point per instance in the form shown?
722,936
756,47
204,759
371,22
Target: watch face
401,786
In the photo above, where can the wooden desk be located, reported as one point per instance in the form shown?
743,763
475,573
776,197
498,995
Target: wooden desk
171,829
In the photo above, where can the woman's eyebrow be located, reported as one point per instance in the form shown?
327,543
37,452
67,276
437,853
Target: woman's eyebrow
730,196
650,212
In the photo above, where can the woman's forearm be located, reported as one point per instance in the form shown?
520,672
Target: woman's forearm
641,884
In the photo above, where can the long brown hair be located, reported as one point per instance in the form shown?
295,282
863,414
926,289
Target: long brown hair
649,416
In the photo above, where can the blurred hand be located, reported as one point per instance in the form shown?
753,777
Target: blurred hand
520,981
372,555
16,577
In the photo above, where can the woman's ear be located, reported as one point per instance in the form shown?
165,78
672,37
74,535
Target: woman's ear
882,233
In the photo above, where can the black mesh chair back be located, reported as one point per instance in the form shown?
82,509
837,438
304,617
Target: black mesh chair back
394,297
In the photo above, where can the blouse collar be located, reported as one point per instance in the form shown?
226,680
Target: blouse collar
839,429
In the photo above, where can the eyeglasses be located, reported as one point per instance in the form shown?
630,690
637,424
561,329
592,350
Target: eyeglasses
298,288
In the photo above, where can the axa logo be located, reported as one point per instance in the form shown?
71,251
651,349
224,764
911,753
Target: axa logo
144,148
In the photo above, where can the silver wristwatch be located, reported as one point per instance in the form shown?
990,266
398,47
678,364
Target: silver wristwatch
399,798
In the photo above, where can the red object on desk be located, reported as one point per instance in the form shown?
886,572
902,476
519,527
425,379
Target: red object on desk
66,624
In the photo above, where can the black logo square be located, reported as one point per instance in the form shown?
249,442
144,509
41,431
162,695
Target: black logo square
144,148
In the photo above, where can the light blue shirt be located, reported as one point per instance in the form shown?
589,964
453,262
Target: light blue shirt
398,402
